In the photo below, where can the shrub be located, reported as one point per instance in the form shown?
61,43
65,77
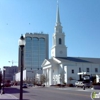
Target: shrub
58,85
64,83
96,83
69,85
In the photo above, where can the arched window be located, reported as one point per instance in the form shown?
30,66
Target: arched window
60,41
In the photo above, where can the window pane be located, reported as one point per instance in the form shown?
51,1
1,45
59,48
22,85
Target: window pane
87,69
79,69
96,69
72,71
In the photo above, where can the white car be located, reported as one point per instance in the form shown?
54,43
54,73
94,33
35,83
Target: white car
82,83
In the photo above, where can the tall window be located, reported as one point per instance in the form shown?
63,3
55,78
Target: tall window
96,69
60,41
35,52
87,69
72,71
42,50
79,69
28,52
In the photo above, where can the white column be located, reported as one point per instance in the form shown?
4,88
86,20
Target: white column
47,77
50,76
65,75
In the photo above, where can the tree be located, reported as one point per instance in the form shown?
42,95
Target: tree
62,78
43,79
0,79
70,79
8,81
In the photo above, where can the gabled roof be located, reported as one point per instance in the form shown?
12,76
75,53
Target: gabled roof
80,59
46,61
73,59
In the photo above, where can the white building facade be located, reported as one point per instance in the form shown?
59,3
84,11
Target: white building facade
61,68
27,75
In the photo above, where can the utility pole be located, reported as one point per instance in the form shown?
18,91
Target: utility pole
0,78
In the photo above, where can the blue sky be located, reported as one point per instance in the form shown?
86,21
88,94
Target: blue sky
80,20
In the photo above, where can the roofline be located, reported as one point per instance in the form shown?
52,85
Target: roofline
44,62
56,60
85,57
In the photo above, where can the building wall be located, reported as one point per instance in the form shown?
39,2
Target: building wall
83,66
10,71
35,50
17,76
54,72
27,74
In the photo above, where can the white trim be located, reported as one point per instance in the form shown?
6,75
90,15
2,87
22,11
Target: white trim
44,62
81,73
47,67
56,60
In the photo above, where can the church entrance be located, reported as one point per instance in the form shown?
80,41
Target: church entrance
80,77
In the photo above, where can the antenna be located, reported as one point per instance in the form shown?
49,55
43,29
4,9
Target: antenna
12,62
57,2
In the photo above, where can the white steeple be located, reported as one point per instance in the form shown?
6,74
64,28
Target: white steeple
57,16
58,48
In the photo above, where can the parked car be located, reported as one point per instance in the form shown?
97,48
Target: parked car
2,85
82,83
25,85
30,85
7,85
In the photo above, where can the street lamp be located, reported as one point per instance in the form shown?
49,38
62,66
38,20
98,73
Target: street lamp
21,45
3,80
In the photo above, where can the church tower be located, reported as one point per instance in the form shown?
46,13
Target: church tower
59,48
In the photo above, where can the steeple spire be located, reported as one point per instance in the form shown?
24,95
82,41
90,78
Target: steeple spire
59,48
57,15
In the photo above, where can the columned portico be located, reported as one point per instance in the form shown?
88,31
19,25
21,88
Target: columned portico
49,74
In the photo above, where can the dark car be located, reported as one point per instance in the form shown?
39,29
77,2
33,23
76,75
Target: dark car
7,85
25,85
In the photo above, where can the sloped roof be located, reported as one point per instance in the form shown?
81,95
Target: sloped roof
80,59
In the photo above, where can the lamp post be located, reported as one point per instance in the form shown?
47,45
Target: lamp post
21,45
3,80
0,78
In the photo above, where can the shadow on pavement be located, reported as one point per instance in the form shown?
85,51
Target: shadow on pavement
13,90
13,99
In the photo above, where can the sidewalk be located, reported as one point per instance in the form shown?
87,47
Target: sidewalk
8,97
79,89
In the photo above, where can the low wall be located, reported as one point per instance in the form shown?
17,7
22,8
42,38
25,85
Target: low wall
96,86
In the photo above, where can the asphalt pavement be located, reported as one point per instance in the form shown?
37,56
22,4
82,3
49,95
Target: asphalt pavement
52,93
47,93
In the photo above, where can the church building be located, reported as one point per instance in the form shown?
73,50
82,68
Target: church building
63,69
